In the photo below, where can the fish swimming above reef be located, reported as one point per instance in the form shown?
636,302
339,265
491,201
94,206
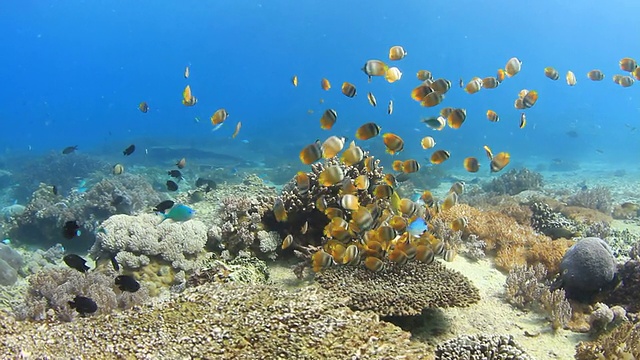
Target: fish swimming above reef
175,174
417,227
179,212
127,283
71,229
172,186
83,305
129,150
164,206
75,262
69,149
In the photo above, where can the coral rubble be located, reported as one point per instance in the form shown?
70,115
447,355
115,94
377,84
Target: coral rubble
399,290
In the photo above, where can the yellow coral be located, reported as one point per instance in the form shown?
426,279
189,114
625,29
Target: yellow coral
514,244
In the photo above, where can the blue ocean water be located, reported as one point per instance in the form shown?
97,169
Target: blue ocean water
74,72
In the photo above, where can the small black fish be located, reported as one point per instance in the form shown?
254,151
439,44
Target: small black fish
127,283
54,189
75,262
117,200
83,305
175,173
128,151
163,206
402,177
71,229
114,263
69,149
208,184
171,185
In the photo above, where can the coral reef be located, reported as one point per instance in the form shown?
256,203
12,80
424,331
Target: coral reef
10,264
221,321
624,244
46,212
527,288
551,223
511,241
243,268
399,290
50,290
58,169
586,268
515,181
481,346
137,240
301,205
623,342
627,294
235,215
597,198
603,317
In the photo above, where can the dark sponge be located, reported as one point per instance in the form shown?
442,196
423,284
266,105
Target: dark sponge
586,268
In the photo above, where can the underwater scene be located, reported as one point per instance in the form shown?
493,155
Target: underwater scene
319,180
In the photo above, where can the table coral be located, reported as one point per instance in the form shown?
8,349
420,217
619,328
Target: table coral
400,290
144,237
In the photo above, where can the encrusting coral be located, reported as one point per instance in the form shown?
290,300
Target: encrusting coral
137,240
221,321
515,181
482,346
400,290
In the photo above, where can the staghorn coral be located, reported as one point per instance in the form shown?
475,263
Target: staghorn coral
515,181
50,290
481,346
622,343
399,290
597,198
135,240
222,321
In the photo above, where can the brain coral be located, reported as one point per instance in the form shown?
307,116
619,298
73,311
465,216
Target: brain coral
400,290
134,240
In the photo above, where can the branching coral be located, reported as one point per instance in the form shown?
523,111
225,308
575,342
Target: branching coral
621,343
527,288
134,240
399,290
515,181
511,241
597,198
52,289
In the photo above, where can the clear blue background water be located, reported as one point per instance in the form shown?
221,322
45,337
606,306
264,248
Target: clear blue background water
73,72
